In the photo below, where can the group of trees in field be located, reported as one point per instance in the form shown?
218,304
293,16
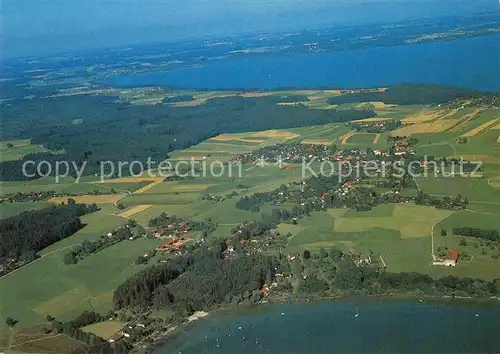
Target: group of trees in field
451,203
164,220
376,127
27,197
31,231
334,272
91,343
487,234
112,131
207,279
86,248
180,98
202,279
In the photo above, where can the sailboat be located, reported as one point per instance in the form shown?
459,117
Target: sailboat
357,313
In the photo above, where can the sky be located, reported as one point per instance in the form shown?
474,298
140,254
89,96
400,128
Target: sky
39,27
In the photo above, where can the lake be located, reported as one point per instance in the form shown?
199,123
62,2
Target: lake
331,326
471,63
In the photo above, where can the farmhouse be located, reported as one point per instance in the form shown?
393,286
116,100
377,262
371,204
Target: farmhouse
450,260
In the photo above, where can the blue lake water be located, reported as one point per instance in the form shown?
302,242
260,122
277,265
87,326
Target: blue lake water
471,62
331,327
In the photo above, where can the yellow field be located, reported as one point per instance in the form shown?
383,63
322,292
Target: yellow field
235,137
288,103
280,134
16,143
191,157
496,127
480,129
316,142
191,187
346,136
256,94
377,104
134,210
104,329
374,119
89,199
192,103
433,127
376,139
149,186
62,303
423,116
466,119
450,113
132,179
411,129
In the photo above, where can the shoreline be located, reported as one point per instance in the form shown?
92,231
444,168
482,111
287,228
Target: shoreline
226,310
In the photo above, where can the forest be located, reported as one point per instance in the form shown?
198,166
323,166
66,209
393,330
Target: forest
110,131
407,94
217,280
209,280
490,235
27,233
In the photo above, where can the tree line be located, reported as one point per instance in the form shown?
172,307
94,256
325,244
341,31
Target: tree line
487,234
87,248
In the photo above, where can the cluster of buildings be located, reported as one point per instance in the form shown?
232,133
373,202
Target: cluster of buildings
286,153
27,197
173,244
175,228
379,126
130,329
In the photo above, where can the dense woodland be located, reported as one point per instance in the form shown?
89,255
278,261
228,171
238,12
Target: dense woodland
487,234
27,233
106,130
208,279
406,94
97,128
217,280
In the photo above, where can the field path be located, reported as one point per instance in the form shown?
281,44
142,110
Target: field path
34,340
432,235
493,185
345,137
480,129
377,138
465,119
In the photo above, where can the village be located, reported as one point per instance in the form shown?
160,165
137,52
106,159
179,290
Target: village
378,127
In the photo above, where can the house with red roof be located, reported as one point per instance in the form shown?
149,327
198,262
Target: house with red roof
452,258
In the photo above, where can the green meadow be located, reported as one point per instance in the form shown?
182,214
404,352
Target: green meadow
401,234
17,149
